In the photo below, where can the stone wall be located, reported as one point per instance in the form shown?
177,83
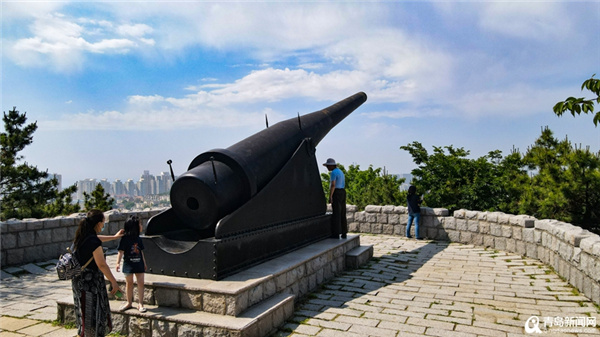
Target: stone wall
35,240
574,253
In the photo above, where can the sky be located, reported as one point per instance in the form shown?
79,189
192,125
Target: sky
119,87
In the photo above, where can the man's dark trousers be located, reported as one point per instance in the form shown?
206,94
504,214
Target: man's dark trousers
339,223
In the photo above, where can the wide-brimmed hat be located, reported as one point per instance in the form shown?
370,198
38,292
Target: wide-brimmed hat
330,162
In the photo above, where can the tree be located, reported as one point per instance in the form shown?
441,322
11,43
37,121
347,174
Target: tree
98,200
369,187
579,105
26,191
453,181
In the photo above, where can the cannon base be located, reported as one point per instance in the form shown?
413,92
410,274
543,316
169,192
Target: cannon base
215,259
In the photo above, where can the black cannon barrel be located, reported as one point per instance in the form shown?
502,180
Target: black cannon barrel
219,181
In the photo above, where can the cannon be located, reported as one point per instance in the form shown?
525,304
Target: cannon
255,200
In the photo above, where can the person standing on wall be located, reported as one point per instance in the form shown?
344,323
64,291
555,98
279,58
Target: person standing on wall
337,197
414,211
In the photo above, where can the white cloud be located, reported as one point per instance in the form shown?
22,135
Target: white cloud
527,20
61,42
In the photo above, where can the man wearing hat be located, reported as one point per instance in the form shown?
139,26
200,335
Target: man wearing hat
337,197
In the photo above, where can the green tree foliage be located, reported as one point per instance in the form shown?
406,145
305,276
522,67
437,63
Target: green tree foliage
369,187
449,179
98,199
579,105
552,180
26,191
566,183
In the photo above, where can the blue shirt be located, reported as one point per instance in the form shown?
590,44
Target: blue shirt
338,176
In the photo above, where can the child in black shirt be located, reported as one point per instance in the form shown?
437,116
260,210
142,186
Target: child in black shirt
131,250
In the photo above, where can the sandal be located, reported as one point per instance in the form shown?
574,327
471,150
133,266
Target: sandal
125,307
142,309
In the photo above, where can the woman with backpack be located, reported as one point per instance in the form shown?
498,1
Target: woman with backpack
90,296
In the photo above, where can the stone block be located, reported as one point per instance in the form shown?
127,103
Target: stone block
166,297
360,216
520,248
8,241
449,223
393,218
35,225
453,236
441,212
351,208
500,243
373,209
26,239
531,250
400,230
13,226
503,218
477,239
214,303
364,227
191,300
517,233
587,244
473,226
461,224
387,229
382,218
43,236
482,216
387,209
493,216
465,237
528,234
401,210
511,245
353,227
33,254
51,223
495,229
376,228
507,231
471,215
14,256
460,213
371,217
139,326
574,236
488,241
69,221
59,234
120,324
164,328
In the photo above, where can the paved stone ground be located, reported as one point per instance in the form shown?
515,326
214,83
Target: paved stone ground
410,288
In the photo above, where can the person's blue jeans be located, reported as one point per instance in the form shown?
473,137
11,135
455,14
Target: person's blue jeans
417,218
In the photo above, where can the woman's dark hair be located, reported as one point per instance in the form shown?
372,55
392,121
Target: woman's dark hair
86,226
132,226
412,189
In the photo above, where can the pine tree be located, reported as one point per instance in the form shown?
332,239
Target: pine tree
26,191
98,200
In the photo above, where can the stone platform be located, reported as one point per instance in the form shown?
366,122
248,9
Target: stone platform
253,302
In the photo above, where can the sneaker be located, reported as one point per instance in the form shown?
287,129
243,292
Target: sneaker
409,237
419,239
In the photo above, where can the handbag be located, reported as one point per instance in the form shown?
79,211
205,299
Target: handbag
68,266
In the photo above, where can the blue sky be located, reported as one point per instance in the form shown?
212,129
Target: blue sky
121,87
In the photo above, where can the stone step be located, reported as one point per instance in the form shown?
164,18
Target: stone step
358,256
296,272
259,320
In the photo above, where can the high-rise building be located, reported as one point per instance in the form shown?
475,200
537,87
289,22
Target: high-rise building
118,187
87,186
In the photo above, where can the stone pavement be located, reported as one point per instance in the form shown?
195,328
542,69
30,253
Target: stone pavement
410,288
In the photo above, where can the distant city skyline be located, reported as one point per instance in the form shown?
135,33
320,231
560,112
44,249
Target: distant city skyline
147,184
